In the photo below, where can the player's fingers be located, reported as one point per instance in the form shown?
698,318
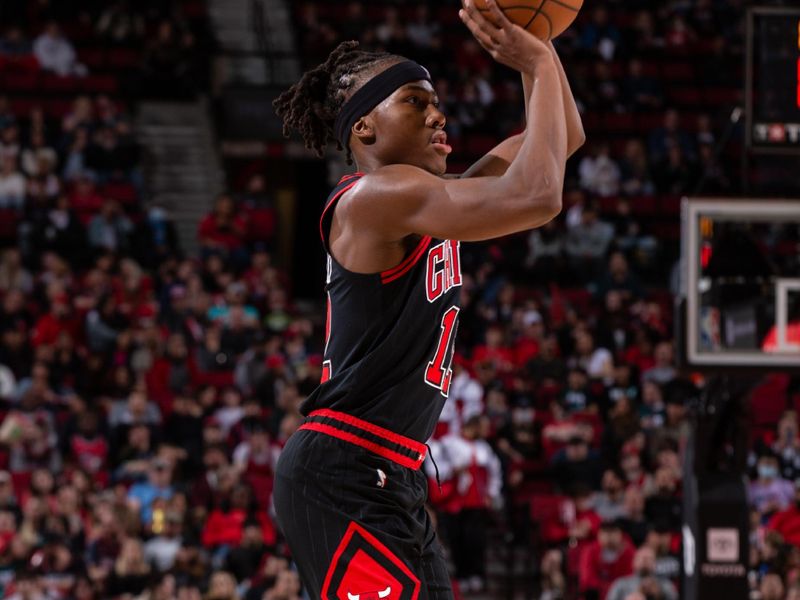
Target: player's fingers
484,39
500,18
476,15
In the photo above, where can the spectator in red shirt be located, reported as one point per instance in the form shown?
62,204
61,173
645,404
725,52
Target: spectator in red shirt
60,319
605,560
787,522
222,231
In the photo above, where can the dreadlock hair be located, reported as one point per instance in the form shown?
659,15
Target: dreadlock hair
311,105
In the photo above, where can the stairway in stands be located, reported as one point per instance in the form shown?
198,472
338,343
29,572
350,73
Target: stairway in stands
182,169
257,42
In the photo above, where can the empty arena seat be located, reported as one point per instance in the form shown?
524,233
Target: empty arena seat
50,82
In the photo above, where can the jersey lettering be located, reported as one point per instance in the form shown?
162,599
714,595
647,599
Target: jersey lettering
444,269
437,374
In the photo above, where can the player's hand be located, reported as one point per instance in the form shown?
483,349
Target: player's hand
508,43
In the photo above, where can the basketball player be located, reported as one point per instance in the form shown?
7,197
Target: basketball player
349,493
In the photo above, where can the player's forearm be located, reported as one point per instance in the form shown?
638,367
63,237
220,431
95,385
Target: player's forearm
575,134
539,165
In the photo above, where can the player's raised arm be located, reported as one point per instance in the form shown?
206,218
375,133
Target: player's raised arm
496,161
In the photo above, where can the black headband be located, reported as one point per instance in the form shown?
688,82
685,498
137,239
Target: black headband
372,93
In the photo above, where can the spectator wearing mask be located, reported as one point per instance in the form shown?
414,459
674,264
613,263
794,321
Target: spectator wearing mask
644,566
770,493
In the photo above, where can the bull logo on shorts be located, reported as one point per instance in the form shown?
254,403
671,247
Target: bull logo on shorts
370,595
364,569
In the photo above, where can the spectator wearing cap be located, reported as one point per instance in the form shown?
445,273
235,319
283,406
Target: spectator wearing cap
142,495
576,463
644,568
770,493
787,522
527,342
604,560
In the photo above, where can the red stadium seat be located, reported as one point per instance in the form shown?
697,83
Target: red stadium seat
677,71
643,205
99,84
20,81
50,82
9,220
93,58
669,205
121,191
123,58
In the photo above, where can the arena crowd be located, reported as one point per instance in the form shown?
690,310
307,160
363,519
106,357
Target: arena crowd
146,394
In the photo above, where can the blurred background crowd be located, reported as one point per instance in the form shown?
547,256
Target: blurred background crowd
146,393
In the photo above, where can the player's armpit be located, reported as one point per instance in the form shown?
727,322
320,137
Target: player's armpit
497,160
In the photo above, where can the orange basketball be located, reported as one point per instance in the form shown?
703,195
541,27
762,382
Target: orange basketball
543,18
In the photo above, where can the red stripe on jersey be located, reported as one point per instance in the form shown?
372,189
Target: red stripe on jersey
350,176
331,203
381,432
364,443
405,266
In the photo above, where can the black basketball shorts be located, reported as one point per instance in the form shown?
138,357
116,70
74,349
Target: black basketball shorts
350,500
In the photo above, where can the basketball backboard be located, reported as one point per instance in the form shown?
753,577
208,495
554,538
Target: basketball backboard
740,284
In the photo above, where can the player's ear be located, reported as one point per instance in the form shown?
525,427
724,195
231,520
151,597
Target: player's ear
364,131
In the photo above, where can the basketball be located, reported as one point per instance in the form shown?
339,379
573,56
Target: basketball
545,19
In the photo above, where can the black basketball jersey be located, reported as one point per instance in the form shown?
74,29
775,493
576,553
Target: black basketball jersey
389,336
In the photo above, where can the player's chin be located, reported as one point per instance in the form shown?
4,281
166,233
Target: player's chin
436,164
